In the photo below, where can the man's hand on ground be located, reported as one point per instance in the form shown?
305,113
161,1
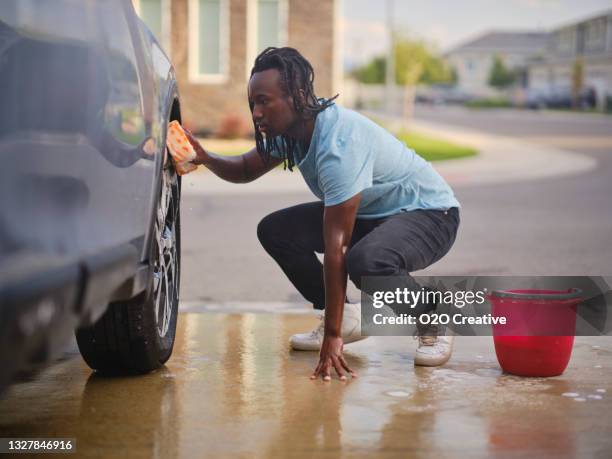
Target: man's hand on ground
331,356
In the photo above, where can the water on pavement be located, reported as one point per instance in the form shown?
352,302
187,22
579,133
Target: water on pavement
234,389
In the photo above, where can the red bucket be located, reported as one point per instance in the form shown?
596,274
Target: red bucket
538,336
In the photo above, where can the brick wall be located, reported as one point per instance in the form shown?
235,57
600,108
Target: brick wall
204,106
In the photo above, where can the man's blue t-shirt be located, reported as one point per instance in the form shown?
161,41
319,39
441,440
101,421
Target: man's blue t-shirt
349,154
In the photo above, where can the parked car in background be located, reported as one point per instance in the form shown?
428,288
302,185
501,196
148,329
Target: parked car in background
560,97
536,98
89,200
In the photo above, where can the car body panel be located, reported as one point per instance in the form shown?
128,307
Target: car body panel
87,93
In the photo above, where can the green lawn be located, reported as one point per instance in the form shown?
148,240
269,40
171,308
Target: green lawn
430,148
491,102
433,149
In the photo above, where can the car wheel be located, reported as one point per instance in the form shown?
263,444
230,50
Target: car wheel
137,335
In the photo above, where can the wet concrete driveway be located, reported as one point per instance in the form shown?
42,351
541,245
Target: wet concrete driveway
233,389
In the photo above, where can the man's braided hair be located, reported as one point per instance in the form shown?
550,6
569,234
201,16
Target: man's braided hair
296,74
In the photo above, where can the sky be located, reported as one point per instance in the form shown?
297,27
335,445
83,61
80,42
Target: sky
447,23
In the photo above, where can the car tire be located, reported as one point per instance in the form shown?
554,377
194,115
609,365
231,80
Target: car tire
137,335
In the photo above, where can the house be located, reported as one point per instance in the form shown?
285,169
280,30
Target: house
579,55
474,59
213,44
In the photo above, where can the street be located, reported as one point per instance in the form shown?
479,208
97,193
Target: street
558,226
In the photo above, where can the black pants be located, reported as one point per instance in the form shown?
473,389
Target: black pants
392,246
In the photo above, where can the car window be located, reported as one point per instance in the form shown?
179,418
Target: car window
123,112
82,50
59,19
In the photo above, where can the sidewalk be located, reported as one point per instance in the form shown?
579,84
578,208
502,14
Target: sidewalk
500,160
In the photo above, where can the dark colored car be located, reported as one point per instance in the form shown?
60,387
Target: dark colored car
89,200
560,97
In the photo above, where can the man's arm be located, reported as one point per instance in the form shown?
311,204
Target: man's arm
237,169
338,223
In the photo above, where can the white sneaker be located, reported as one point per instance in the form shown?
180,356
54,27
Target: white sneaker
351,330
432,350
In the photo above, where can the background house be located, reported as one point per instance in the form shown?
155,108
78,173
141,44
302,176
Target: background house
578,54
213,43
473,60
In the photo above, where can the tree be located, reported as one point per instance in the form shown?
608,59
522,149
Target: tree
373,72
500,76
410,56
577,81
454,76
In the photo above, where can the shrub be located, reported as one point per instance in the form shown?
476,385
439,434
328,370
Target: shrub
492,102
233,126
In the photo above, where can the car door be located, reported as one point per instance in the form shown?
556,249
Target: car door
72,128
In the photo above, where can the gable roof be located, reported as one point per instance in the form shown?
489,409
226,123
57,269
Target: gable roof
528,41
603,14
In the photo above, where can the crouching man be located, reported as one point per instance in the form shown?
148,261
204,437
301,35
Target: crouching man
382,210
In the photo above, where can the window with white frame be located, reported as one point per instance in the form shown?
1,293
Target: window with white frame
470,64
566,41
156,15
271,23
267,24
595,35
208,40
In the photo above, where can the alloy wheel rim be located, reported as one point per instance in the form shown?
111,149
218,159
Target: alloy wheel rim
166,262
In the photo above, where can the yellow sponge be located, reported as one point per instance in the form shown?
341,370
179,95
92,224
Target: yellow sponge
180,148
